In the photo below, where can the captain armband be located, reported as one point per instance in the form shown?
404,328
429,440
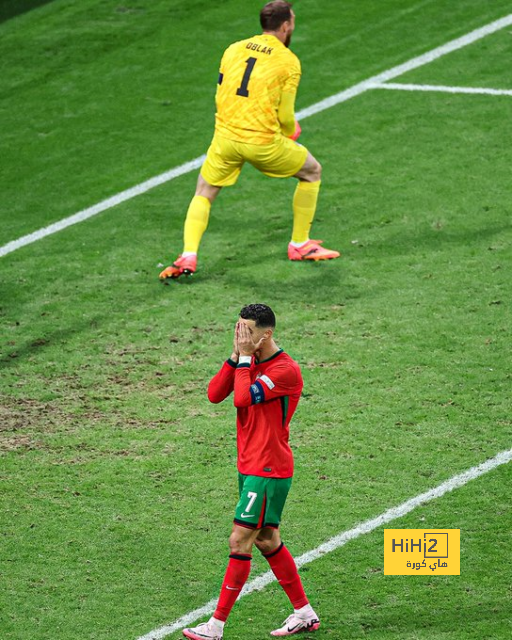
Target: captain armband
257,393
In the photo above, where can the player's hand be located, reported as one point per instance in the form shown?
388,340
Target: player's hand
245,344
295,135
236,353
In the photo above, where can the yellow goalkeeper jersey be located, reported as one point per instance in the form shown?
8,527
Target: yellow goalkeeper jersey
254,73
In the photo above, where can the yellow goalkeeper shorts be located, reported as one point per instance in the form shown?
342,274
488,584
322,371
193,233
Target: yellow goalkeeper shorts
225,158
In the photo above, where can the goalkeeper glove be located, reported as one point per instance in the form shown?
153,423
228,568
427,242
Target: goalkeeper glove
295,135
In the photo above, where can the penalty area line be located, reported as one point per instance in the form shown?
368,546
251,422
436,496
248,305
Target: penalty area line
396,86
259,583
413,63
318,107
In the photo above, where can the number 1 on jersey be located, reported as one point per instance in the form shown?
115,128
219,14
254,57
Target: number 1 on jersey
242,89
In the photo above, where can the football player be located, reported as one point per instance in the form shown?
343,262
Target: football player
266,385
255,123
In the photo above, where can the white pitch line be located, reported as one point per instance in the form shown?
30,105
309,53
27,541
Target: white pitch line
338,541
102,206
333,100
436,87
414,63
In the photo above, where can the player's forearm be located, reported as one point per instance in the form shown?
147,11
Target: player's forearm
221,385
286,114
242,386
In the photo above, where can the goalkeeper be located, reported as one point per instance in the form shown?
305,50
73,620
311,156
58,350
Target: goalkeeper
255,123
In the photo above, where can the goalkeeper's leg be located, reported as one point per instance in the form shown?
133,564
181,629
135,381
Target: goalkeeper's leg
196,223
198,214
305,200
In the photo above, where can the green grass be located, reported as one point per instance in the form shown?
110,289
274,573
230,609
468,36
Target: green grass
117,476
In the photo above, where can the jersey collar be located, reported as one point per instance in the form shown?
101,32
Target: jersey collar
277,353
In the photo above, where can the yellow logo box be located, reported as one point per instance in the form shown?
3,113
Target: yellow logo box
411,552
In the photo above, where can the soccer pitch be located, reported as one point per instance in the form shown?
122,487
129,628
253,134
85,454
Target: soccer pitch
117,476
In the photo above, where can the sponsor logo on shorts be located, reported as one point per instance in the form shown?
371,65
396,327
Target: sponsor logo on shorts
247,515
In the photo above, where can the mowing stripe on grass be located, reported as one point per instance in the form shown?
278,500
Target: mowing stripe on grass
338,541
333,100
435,87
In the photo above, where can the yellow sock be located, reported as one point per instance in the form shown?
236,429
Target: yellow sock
304,207
195,223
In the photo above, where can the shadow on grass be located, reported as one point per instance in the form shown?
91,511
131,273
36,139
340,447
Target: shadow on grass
299,283
37,346
272,280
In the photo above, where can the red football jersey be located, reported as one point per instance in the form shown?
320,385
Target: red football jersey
266,395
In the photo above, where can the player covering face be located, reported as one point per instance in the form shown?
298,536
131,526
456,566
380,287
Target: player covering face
266,385
255,123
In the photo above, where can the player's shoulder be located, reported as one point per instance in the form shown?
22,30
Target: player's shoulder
286,358
291,59
234,46
293,56
286,364
234,49
287,64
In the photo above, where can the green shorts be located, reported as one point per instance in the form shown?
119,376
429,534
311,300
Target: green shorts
261,501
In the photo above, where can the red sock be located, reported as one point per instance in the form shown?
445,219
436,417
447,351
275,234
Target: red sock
239,567
285,570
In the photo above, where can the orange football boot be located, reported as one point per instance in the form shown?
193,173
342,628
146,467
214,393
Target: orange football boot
311,251
182,266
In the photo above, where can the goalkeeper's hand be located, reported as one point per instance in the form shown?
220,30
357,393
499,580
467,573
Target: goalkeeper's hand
295,135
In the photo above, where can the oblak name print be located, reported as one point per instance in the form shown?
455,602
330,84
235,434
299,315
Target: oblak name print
254,46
